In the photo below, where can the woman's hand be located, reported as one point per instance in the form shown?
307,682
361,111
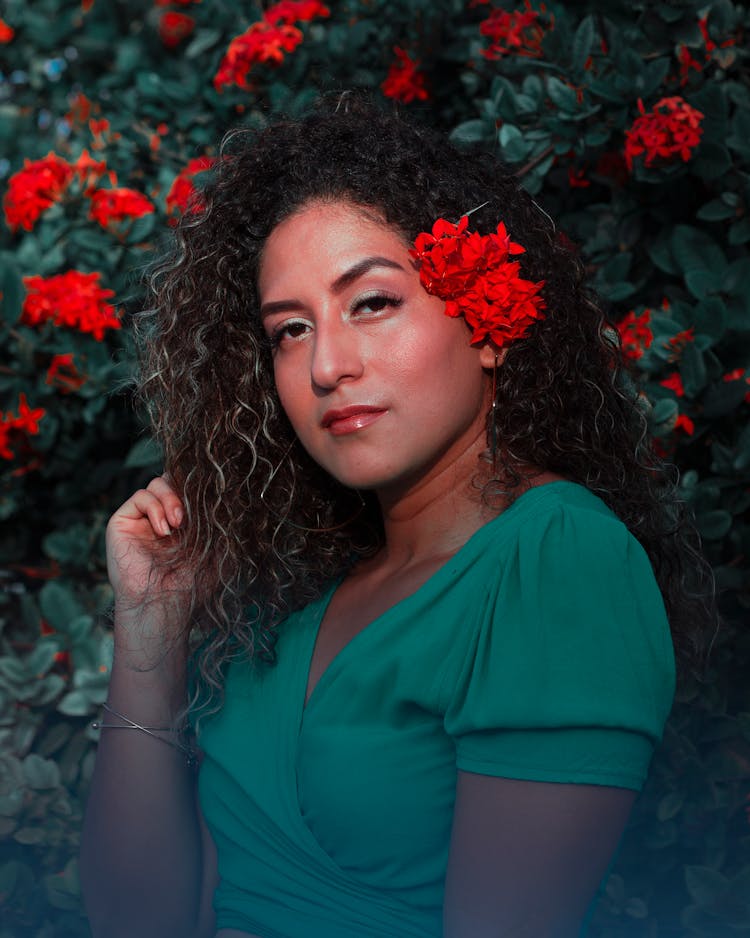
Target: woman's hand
133,535
151,603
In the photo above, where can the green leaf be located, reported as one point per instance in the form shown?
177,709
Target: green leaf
145,453
472,131
739,232
562,95
670,805
663,416
582,42
514,147
202,41
714,525
58,605
40,773
77,703
12,291
693,249
705,885
715,210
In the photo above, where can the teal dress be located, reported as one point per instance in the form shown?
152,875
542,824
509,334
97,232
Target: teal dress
539,651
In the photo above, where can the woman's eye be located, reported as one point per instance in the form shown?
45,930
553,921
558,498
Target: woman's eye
287,330
376,303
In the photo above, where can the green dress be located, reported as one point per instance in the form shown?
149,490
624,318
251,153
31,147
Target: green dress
540,651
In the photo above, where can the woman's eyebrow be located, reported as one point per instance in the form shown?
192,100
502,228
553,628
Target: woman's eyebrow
340,283
361,268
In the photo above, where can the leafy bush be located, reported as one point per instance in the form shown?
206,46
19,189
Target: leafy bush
630,125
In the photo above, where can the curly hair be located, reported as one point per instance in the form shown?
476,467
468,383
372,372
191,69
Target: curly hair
268,528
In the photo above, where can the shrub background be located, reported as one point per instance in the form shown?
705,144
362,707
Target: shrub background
555,91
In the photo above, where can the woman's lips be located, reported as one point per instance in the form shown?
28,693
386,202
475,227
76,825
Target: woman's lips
351,419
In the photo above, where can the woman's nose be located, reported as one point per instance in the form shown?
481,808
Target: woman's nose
336,355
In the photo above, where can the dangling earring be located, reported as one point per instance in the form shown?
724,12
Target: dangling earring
493,419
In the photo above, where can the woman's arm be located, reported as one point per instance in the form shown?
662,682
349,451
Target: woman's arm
146,866
526,857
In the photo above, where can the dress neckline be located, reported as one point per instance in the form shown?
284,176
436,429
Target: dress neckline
317,609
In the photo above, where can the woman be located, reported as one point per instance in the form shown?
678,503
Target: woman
428,560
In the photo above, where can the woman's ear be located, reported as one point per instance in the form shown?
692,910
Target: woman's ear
490,355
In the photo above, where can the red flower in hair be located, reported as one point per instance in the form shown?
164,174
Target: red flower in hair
472,273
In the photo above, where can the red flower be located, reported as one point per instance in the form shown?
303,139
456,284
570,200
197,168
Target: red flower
174,27
686,63
738,375
63,374
635,334
674,383
115,205
183,195
295,11
6,32
72,299
516,33
670,131
33,189
703,24
262,42
90,171
472,273
684,422
26,422
577,179
678,342
404,82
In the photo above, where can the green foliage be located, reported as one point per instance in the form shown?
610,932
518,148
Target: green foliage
669,237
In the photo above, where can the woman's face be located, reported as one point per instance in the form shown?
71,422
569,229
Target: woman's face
381,387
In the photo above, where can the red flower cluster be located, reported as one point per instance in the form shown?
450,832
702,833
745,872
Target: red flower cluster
174,27
115,205
63,374
671,130
515,33
72,299
34,189
295,11
41,183
674,383
472,273
183,195
404,82
635,334
25,422
6,32
677,343
266,41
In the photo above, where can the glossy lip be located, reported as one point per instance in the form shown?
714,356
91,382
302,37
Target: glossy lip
350,419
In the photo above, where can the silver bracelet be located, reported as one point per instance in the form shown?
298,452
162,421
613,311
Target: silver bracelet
129,724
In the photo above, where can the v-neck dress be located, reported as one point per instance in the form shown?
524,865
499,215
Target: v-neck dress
539,651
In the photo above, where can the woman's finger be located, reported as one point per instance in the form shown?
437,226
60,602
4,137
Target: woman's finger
145,504
163,489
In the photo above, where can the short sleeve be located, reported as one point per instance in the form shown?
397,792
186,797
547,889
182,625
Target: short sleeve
569,674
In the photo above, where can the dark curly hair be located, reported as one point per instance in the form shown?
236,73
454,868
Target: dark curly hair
267,527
